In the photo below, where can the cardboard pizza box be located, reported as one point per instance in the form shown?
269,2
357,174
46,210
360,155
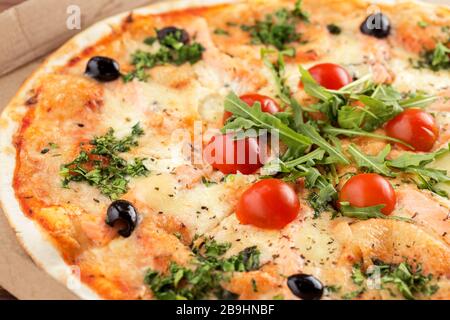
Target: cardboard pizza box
29,32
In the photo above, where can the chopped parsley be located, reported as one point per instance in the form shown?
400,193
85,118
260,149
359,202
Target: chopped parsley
437,59
221,32
171,51
99,164
277,29
204,278
408,280
334,29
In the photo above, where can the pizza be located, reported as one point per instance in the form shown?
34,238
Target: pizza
239,150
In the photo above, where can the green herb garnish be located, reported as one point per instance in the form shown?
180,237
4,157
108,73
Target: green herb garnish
366,213
437,59
172,51
408,280
278,29
101,166
221,32
204,278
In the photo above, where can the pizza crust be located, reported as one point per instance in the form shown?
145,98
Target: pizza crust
35,242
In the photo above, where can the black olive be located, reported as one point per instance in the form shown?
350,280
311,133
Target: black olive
103,69
181,34
376,25
124,212
305,286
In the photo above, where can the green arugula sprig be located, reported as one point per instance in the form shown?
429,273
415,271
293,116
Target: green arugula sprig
407,279
278,29
314,149
246,117
416,165
101,165
412,164
375,164
171,51
366,213
204,278
381,102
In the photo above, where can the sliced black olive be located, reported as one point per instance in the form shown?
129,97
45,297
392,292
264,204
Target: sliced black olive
376,25
180,35
103,69
305,286
124,212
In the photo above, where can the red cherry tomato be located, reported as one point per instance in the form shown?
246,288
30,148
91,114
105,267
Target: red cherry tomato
230,156
267,104
331,76
415,127
368,190
268,204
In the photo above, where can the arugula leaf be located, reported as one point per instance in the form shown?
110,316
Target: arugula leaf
427,178
100,165
366,213
380,102
277,165
310,132
360,133
255,118
418,101
375,164
424,177
310,158
323,192
283,90
311,86
379,110
409,159
321,201
205,276
350,117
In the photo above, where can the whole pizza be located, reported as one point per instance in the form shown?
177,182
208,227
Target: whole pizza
239,150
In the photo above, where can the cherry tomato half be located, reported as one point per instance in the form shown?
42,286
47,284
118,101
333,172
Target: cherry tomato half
415,127
329,75
230,156
368,190
268,204
267,104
